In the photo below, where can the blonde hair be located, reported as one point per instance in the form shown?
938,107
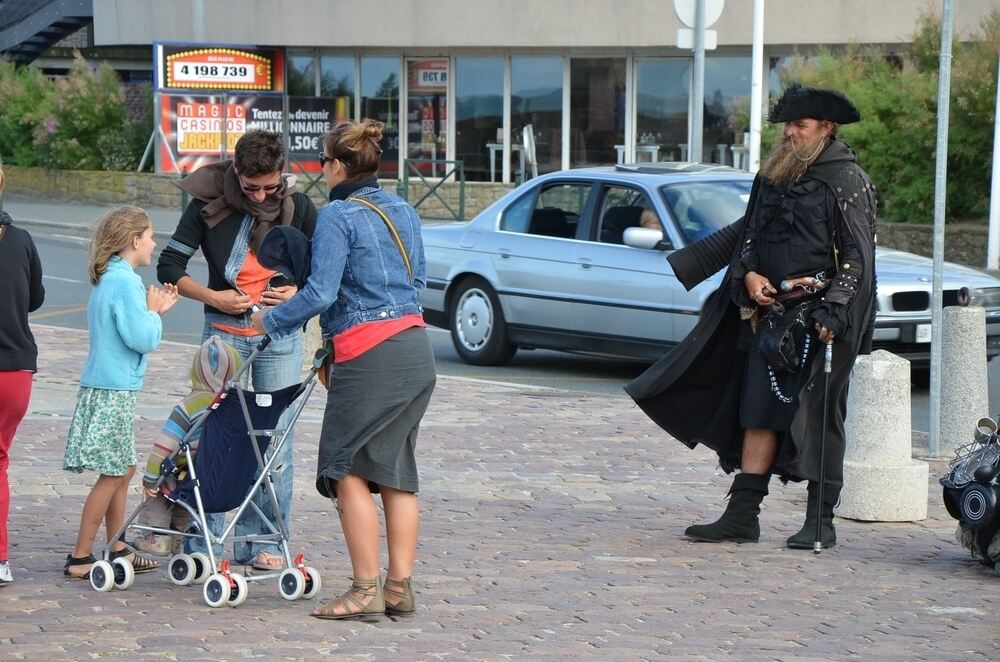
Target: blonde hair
355,145
115,231
3,180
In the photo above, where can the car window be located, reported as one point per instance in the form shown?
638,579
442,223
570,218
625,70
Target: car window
623,208
701,208
555,212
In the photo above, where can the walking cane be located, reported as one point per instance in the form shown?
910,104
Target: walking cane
827,368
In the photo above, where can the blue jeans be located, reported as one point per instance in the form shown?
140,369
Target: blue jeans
277,367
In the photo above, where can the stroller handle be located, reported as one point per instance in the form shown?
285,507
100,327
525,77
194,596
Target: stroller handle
263,344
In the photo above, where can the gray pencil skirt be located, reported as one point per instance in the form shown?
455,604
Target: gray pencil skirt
373,411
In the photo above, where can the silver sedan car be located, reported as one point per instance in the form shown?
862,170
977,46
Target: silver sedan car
576,261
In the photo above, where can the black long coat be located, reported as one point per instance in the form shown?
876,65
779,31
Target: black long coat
694,391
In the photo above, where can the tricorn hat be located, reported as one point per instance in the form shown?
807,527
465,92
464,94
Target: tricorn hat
798,102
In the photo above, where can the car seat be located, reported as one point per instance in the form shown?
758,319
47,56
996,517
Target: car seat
551,222
616,220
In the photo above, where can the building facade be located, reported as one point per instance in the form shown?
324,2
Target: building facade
594,81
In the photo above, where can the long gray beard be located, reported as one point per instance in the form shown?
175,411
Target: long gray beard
785,165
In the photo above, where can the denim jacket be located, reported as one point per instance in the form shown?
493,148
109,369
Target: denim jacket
358,274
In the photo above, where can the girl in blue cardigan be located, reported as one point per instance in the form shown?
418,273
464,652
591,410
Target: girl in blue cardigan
124,323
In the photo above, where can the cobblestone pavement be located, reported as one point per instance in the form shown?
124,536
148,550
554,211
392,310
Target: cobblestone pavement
552,529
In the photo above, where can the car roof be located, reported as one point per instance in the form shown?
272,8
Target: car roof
655,174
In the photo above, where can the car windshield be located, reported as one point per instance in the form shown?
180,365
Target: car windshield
701,208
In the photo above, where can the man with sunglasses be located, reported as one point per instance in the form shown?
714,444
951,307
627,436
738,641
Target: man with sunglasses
235,203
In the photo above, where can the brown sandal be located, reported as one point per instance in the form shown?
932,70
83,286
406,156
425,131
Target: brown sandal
139,563
364,598
399,599
74,561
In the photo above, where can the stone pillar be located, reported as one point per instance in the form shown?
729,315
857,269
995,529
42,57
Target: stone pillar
964,387
882,481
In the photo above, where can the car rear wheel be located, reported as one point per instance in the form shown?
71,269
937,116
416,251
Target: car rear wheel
478,329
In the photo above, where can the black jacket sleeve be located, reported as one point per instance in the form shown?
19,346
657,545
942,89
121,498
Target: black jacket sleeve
305,214
187,238
698,261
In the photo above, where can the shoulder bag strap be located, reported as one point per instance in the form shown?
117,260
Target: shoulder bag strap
392,230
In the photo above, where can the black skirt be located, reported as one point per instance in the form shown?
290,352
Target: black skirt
373,412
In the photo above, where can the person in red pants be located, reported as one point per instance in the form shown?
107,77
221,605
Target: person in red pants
21,274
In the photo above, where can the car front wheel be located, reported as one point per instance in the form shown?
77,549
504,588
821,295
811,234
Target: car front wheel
478,329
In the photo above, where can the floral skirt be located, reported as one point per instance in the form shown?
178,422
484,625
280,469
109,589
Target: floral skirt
102,434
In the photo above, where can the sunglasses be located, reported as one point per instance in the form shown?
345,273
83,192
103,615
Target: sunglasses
253,188
324,159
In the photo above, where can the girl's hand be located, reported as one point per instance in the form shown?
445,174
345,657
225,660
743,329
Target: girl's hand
170,297
154,298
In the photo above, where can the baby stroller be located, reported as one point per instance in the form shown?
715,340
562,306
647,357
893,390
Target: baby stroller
231,463
971,492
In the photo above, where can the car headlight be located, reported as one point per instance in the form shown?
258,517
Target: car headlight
986,297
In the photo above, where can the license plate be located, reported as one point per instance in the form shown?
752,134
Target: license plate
922,333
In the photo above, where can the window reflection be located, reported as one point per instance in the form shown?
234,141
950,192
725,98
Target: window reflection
380,101
301,76
479,116
662,100
536,99
597,110
336,82
727,86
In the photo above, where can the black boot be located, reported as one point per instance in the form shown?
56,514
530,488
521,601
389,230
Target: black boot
739,522
805,538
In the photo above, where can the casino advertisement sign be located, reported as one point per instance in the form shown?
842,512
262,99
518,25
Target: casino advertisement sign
211,67
195,127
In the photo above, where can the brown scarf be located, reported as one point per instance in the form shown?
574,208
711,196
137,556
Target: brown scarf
218,185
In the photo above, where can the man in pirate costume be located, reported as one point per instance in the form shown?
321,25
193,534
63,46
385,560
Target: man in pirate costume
805,250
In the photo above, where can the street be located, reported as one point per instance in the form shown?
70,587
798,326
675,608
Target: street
64,262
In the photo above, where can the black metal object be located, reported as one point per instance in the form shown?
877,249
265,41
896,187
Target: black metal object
827,369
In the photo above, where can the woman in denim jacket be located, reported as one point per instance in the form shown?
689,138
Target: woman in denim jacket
367,271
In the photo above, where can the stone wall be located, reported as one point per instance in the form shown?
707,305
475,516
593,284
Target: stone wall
965,243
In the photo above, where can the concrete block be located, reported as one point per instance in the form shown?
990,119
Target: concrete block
881,480
964,387
879,493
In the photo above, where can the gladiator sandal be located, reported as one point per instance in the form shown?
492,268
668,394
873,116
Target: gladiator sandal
364,598
399,599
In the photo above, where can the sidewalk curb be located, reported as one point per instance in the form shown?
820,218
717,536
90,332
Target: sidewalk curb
81,229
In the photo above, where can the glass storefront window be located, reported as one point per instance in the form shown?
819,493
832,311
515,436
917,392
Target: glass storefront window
380,101
597,110
301,76
479,116
336,82
427,113
661,108
536,89
727,103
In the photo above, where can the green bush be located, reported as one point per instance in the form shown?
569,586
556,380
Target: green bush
77,122
897,137
28,96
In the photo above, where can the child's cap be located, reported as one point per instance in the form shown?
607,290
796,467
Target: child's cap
215,363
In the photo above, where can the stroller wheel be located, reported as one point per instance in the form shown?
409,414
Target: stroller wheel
202,567
123,572
102,576
238,592
313,583
216,590
181,569
291,583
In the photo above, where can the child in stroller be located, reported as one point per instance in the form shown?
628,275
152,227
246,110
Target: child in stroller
214,364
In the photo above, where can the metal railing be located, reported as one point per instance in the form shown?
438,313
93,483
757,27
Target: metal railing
316,182
457,166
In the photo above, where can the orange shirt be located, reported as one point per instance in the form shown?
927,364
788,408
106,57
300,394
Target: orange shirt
357,340
252,281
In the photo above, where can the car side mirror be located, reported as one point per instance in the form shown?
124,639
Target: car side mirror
646,238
